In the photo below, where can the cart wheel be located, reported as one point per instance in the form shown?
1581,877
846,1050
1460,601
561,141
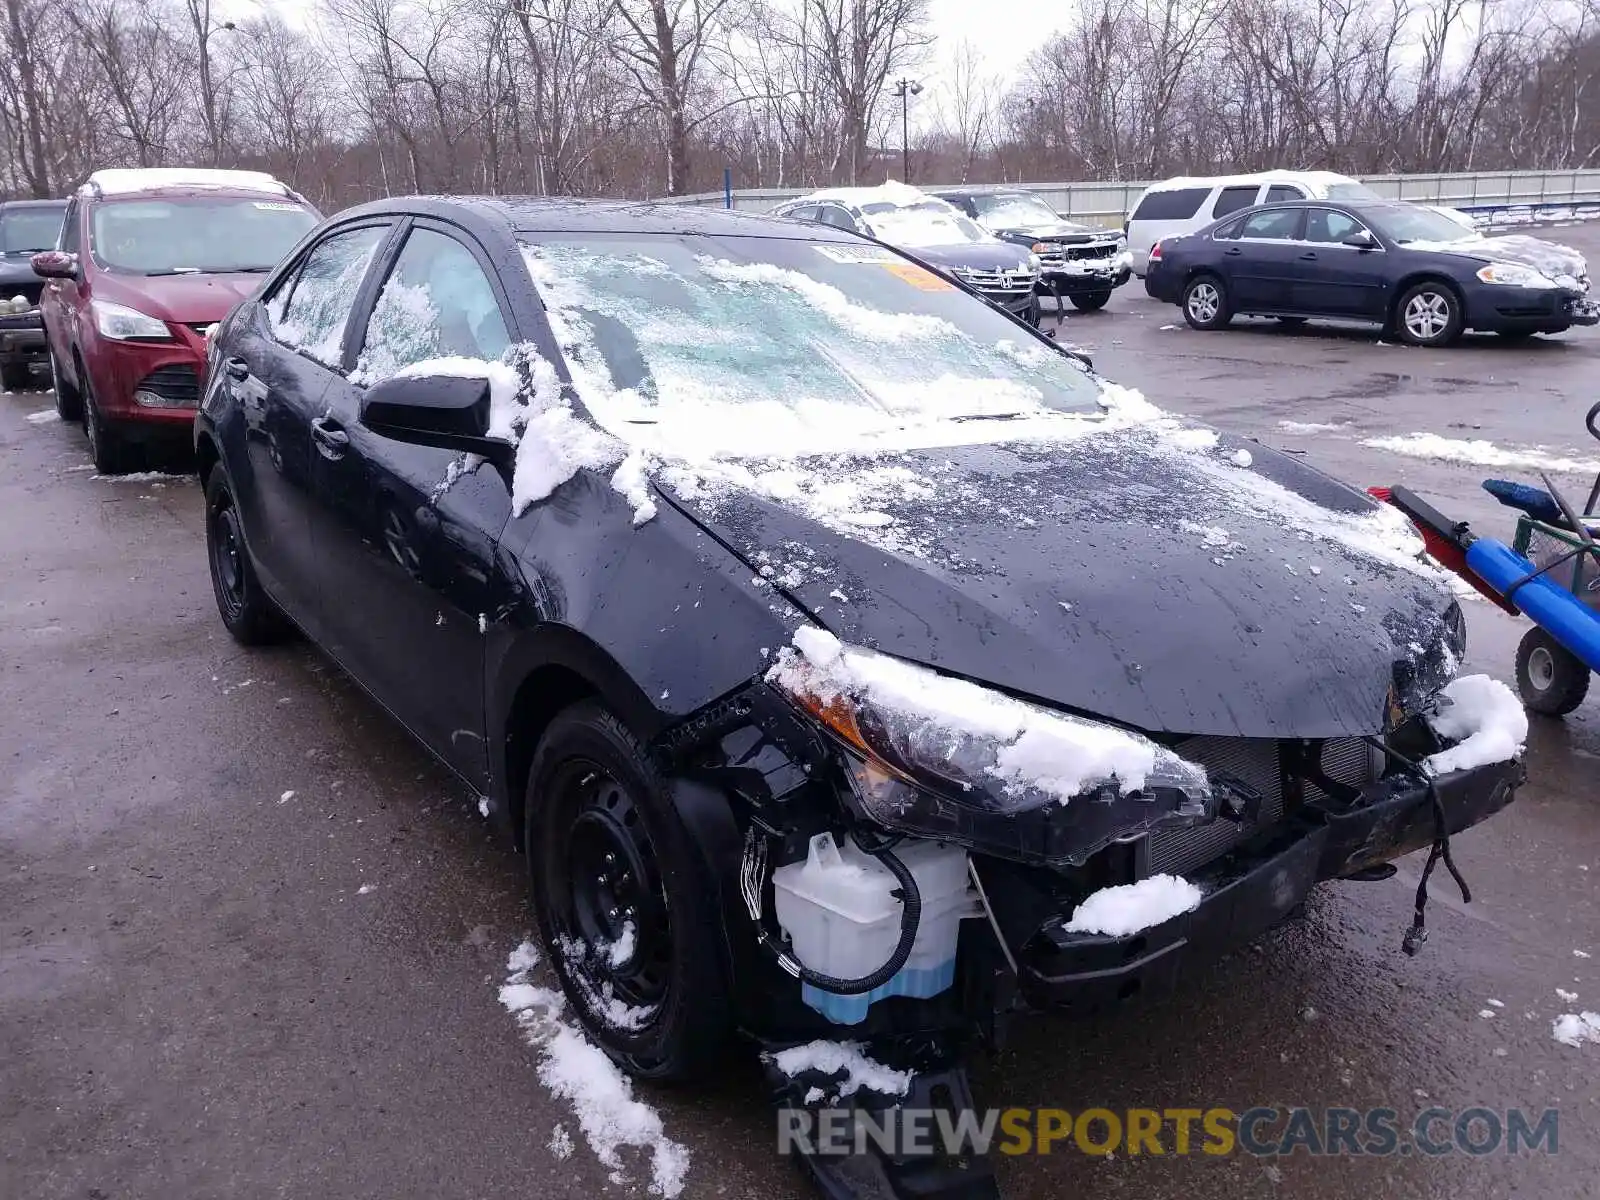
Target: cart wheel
1552,680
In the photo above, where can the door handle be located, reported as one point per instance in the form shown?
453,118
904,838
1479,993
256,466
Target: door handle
1233,250
237,369
1310,255
330,439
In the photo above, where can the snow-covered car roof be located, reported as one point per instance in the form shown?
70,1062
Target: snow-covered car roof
131,180
1315,179
900,195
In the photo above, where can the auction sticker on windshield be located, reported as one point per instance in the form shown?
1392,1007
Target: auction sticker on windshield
856,254
919,277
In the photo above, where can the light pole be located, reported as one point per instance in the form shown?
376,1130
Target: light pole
208,94
905,89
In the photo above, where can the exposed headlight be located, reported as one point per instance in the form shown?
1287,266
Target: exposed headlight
943,758
124,324
1514,275
1044,247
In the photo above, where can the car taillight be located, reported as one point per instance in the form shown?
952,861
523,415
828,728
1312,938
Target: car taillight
1155,253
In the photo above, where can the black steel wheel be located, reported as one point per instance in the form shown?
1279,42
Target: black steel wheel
1553,681
1090,301
16,377
625,913
246,610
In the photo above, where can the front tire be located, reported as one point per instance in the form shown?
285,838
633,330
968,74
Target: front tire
246,610
69,404
106,445
1205,302
1428,314
611,868
1090,301
1553,681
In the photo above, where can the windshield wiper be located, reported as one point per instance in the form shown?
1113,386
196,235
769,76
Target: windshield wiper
175,271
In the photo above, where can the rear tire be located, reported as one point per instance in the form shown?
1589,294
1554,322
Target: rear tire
1553,681
69,404
1205,302
1428,314
246,610
15,377
606,849
1090,301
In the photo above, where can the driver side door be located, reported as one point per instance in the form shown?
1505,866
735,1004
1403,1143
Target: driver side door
407,534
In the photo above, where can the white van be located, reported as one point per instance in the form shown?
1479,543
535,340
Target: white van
1183,205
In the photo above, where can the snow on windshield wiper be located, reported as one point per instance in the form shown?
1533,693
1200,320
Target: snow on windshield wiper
176,271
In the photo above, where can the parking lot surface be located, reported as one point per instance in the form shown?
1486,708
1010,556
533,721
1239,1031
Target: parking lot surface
251,937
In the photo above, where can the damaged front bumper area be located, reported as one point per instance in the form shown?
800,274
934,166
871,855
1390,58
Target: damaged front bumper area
1248,891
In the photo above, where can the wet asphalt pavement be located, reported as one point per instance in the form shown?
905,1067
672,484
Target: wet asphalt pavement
197,1000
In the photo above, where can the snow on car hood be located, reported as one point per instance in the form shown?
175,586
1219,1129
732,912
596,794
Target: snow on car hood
1153,573
1550,258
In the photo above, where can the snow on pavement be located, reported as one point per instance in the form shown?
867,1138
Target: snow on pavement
1129,908
42,416
578,1071
1480,452
1574,1029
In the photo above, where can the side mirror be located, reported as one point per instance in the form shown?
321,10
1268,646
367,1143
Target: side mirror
55,264
450,412
1362,241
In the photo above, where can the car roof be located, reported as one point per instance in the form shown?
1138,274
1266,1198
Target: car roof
893,192
1314,178
988,189
551,214
134,181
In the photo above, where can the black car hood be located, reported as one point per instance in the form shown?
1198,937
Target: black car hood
1166,588
1552,258
15,269
995,256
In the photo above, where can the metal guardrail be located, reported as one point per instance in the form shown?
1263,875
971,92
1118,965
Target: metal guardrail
1108,203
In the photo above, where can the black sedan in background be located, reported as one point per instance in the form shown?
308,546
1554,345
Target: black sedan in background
1411,270
690,538
1077,263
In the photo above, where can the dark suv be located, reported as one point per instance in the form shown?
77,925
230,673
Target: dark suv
26,227
149,260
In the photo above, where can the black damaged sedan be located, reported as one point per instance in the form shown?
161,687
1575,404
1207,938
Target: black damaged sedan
849,661
1413,271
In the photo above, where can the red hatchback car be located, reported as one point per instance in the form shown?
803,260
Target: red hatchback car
148,261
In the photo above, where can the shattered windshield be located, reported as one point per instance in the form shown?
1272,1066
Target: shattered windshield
747,343
188,235
1014,208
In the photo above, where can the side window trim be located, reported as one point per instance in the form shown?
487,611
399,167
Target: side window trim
69,228
372,286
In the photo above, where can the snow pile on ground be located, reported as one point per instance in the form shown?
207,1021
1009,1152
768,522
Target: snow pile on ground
1480,452
1025,748
579,1073
847,1059
159,478
1574,1029
1487,720
1309,427
42,416
1131,907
